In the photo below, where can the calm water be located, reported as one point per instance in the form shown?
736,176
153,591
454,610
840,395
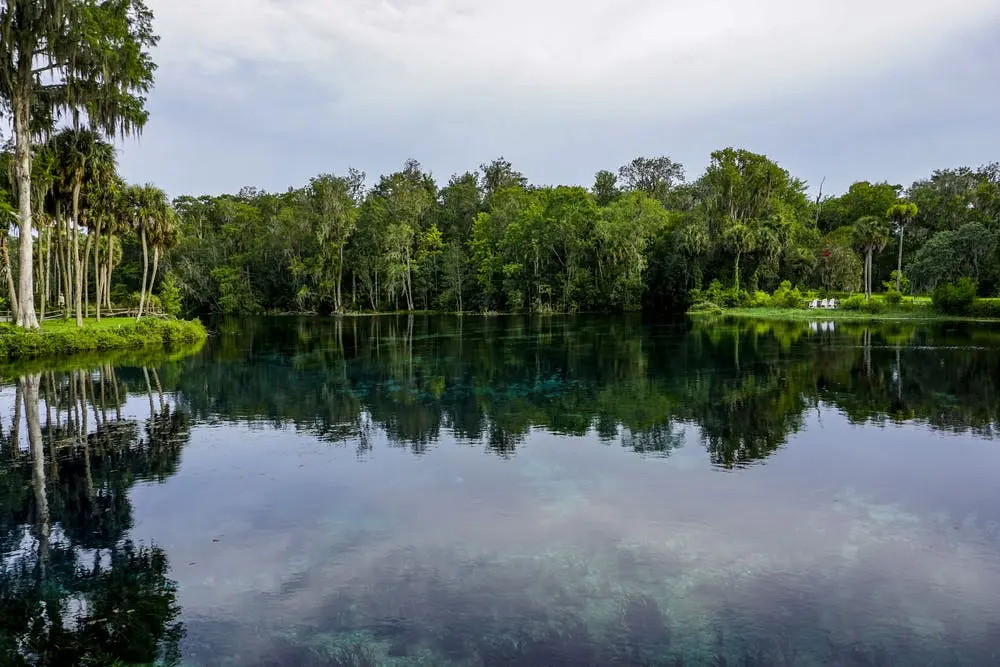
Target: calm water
508,491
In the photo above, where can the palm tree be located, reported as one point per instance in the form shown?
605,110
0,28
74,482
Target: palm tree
902,214
163,235
739,238
103,194
68,56
150,210
80,154
871,235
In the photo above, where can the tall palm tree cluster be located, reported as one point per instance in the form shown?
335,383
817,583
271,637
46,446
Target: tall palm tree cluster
81,210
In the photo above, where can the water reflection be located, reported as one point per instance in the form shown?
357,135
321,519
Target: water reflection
597,530
74,588
745,386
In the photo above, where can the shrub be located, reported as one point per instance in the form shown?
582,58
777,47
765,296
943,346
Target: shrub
853,302
954,298
890,284
872,306
760,299
985,308
704,308
893,298
786,297
170,295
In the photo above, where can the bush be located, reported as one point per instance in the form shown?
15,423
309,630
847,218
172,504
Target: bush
726,297
954,298
853,302
890,285
872,306
786,297
704,308
989,308
170,295
760,299
893,298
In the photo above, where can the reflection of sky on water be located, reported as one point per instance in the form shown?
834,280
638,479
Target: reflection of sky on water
870,534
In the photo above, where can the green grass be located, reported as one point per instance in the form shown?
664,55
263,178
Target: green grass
61,338
56,326
919,313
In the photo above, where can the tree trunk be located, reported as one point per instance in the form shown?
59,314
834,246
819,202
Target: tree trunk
67,262
156,263
736,271
86,273
77,268
98,276
10,275
899,264
37,468
110,269
22,155
47,276
340,278
15,427
145,271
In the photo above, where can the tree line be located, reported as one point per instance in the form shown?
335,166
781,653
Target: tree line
641,236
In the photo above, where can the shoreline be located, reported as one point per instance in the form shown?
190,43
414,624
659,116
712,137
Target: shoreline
55,340
810,315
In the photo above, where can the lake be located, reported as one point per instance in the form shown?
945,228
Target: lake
508,491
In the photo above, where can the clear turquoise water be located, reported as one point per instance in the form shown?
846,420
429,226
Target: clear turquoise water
509,491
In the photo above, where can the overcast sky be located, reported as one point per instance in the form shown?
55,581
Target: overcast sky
272,92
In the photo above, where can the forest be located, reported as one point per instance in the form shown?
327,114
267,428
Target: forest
645,236
640,237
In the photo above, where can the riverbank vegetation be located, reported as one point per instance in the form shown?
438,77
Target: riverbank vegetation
643,236
60,339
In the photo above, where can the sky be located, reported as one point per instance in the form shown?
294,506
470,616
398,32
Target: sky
269,93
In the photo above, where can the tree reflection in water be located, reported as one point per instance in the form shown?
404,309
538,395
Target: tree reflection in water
745,386
74,588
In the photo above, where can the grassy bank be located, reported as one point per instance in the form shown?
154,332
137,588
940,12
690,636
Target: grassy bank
919,314
62,338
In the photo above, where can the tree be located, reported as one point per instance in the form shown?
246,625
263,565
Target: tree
871,235
861,199
500,174
654,176
78,56
954,254
606,187
623,232
752,205
399,205
80,155
902,214
150,216
334,207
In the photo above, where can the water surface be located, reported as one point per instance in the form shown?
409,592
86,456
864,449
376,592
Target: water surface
509,491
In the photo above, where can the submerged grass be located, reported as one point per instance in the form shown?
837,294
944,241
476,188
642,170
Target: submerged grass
65,338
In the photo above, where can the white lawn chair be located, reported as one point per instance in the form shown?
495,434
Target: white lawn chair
833,304
824,304
814,304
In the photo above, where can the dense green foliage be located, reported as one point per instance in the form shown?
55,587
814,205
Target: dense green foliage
115,334
643,237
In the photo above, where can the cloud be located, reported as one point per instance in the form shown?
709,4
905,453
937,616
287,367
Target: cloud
598,58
